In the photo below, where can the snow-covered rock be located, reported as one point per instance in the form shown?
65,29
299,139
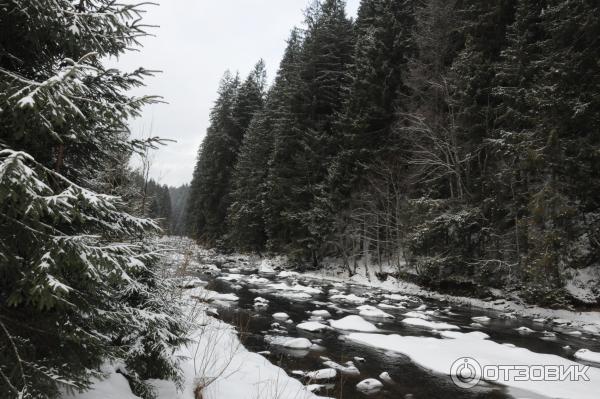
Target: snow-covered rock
369,386
592,328
385,377
372,311
256,280
384,305
281,316
266,267
587,355
351,298
294,288
231,277
524,330
432,325
208,266
481,319
323,374
297,343
294,296
348,369
321,313
286,274
416,315
397,297
353,323
459,335
312,326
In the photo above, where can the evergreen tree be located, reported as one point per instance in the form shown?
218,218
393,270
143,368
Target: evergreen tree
211,184
384,44
284,107
544,129
310,140
515,139
208,188
77,288
249,100
246,215
381,53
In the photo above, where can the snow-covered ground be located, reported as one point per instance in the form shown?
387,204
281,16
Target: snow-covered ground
215,360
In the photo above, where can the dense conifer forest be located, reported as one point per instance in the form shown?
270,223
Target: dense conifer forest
459,138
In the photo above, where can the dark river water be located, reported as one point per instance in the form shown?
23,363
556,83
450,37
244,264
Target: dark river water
410,380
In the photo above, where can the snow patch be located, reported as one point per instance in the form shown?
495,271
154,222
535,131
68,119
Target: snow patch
351,298
323,374
369,386
438,355
429,324
372,311
312,326
298,343
281,316
321,313
353,323
587,355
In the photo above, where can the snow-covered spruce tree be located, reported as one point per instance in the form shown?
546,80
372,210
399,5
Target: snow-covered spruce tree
548,82
77,288
207,204
211,183
299,212
245,216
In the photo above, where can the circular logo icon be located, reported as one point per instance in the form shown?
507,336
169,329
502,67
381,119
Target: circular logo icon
465,372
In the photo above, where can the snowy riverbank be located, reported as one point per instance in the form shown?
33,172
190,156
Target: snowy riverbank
588,321
214,365
215,360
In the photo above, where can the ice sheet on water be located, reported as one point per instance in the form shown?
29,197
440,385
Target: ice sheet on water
439,354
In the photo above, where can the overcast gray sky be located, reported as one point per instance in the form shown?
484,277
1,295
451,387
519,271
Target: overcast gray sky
196,42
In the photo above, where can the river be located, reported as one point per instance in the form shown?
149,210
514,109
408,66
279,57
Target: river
258,327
